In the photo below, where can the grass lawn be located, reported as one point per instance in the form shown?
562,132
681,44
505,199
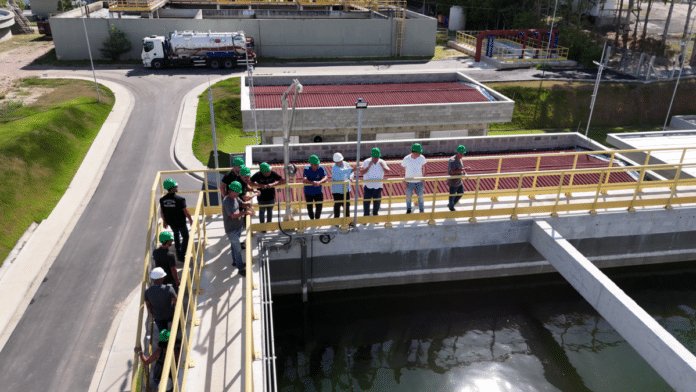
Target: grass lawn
21,41
228,122
42,145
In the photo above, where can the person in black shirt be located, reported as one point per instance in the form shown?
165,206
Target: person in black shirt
165,260
231,176
174,214
266,180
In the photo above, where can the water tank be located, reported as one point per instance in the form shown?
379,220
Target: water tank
456,18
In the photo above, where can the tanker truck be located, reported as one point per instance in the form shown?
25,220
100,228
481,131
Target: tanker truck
198,49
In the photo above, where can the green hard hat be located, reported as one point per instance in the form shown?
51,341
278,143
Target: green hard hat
164,335
166,236
416,147
238,162
235,186
376,153
461,149
169,184
314,160
265,167
244,171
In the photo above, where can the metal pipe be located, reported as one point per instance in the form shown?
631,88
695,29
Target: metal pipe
596,87
287,125
89,50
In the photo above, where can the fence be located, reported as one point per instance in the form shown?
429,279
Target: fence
543,188
511,49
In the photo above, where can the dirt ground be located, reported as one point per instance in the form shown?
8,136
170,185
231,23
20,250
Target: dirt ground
15,54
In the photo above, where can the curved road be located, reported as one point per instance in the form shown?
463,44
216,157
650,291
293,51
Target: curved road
58,341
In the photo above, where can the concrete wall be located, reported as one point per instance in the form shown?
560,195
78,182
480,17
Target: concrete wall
440,146
6,23
337,124
683,122
281,38
44,7
416,252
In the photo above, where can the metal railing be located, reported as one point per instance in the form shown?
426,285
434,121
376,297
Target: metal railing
515,52
135,5
545,190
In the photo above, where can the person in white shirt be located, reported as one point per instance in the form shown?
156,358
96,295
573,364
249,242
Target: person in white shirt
373,169
414,164
341,171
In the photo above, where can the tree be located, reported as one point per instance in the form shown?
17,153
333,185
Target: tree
685,36
645,23
664,33
618,24
65,5
116,44
628,23
635,29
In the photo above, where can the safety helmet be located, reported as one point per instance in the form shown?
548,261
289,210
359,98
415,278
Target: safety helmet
157,273
244,171
169,184
166,236
238,162
164,335
337,157
265,167
376,153
416,147
314,160
235,186
461,149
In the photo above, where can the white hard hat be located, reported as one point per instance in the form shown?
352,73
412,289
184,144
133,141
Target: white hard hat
157,273
338,157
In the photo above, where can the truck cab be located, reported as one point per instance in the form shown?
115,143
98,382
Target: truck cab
154,54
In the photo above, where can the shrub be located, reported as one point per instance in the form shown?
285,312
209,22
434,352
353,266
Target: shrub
115,45
65,5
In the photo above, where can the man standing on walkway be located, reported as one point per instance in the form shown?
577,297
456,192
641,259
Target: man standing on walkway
414,163
341,171
314,175
456,185
373,168
174,214
165,260
232,175
160,299
266,180
233,216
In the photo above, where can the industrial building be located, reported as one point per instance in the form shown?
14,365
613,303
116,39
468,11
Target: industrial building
280,29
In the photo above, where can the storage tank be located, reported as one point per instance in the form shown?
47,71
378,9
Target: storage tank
456,18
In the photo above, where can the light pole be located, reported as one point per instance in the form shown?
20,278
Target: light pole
212,124
89,50
287,126
596,87
360,105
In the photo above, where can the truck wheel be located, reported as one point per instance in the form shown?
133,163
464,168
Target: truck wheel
214,63
157,63
230,63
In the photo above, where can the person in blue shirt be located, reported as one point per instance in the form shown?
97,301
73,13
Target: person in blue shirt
314,175
341,171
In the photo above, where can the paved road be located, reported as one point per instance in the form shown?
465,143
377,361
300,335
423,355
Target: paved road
57,343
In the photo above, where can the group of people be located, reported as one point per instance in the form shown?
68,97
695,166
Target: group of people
238,187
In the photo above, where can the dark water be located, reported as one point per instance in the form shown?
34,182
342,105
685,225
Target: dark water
530,333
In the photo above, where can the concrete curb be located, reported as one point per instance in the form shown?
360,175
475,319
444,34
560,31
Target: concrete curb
22,278
182,152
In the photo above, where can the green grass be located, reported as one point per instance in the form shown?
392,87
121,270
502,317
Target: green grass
228,122
41,147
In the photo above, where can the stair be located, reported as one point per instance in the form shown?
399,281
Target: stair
20,19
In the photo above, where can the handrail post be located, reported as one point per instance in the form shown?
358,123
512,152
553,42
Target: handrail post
635,194
300,224
593,211
431,222
611,164
647,160
668,206
388,225
554,213
497,178
476,192
517,199
572,175
534,181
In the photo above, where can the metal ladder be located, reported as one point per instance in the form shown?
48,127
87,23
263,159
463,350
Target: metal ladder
20,19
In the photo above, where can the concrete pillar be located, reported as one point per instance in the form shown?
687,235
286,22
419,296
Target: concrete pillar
658,347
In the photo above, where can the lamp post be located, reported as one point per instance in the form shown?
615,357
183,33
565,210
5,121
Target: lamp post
360,105
89,50
596,87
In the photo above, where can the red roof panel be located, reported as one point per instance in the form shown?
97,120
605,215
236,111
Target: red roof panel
315,96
